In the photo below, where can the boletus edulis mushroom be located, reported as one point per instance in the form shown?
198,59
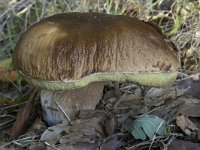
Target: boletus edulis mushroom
70,56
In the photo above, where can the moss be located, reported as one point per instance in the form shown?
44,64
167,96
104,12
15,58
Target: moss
148,79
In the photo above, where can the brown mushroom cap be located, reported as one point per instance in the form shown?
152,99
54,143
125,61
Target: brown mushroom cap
80,48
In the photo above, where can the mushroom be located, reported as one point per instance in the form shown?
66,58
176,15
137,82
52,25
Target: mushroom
70,57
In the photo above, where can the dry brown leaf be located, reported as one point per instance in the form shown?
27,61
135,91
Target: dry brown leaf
78,146
183,145
81,130
168,111
87,114
114,142
189,100
38,126
190,107
110,125
158,96
25,117
109,94
53,134
37,146
186,124
194,87
130,100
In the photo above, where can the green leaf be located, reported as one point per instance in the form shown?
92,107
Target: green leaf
137,132
148,126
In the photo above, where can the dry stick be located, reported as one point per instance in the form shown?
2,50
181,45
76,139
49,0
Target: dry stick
129,86
53,147
12,106
65,114
7,122
17,142
143,143
169,142
136,146
154,137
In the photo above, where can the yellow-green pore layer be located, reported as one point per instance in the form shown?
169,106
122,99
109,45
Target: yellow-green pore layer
157,79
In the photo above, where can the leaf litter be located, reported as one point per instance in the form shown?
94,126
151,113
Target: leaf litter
120,105
109,127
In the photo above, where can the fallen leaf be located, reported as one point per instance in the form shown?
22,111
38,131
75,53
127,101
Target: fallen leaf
86,114
109,94
54,133
133,100
186,124
37,146
38,126
78,146
183,145
190,107
25,117
81,130
169,110
114,142
148,125
193,87
110,125
158,96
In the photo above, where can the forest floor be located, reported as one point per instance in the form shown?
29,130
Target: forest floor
121,104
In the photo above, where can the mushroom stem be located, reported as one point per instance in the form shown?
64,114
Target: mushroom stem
59,106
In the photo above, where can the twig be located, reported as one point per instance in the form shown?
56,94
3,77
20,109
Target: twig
65,114
17,142
46,143
154,137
